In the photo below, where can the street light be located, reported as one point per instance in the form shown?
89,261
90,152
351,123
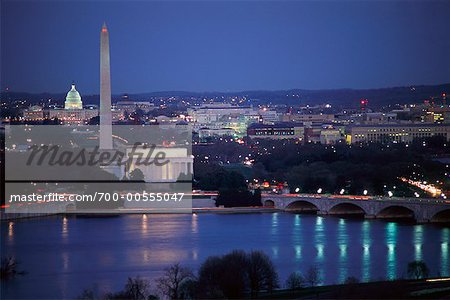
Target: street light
365,192
390,194
319,191
297,190
342,192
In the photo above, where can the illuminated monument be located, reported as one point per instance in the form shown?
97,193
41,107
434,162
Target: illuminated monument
179,160
105,92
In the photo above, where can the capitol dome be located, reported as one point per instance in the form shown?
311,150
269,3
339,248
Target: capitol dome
73,99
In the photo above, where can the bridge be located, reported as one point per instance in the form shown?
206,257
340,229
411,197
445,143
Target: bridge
422,210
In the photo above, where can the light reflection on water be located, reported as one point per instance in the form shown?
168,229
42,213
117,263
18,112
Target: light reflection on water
366,242
342,242
418,240
391,241
445,240
64,255
319,235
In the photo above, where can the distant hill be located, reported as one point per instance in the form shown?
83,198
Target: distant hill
338,97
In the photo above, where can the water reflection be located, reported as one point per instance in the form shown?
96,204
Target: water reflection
297,238
319,236
418,241
65,228
391,241
195,254
342,242
65,260
319,239
298,252
194,223
274,228
10,231
107,250
275,252
366,242
146,254
445,268
144,225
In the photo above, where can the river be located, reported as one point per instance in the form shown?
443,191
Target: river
64,255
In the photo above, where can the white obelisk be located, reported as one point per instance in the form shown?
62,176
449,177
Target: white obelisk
105,92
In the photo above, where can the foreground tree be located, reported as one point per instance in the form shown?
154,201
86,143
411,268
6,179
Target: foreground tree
8,268
261,273
224,277
351,280
418,269
295,281
135,289
171,282
235,274
312,276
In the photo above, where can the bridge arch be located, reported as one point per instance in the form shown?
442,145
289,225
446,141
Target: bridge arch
269,203
302,205
347,208
396,211
442,216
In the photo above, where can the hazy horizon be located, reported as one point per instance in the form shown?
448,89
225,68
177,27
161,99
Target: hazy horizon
224,46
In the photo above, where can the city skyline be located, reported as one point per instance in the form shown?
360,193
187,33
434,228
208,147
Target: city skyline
226,46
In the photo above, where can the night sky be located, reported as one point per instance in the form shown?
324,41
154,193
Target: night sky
224,46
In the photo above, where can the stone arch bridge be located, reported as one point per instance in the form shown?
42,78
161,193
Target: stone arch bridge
422,210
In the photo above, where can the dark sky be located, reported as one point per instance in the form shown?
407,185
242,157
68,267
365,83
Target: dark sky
224,46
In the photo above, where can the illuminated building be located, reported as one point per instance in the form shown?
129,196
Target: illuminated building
207,132
276,131
330,135
218,116
316,118
179,162
385,133
73,111
34,113
130,106
73,99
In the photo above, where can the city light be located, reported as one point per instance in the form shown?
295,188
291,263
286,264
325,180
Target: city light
424,186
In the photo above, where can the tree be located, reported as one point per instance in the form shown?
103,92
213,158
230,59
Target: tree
418,269
235,274
351,280
295,281
135,289
209,278
137,175
312,276
261,273
170,283
8,268
224,276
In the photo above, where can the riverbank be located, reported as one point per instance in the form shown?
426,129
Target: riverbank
222,210
397,289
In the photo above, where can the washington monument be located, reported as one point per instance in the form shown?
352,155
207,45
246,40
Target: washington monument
105,92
